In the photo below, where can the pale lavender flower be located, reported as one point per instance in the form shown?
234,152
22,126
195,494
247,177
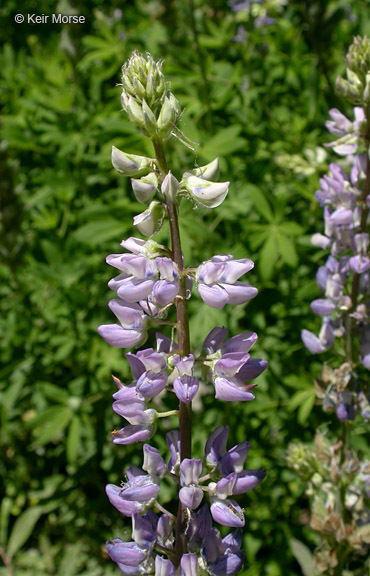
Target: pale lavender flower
189,565
321,343
132,328
349,132
185,385
190,494
164,567
217,281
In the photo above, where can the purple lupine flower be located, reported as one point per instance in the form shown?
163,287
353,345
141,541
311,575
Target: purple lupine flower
189,565
165,532
153,462
321,343
164,567
217,281
348,131
185,385
128,555
223,557
135,496
190,494
167,288
215,446
227,512
232,365
132,328
365,347
144,277
173,443
345,412
142,421
199,525
142,488
144,529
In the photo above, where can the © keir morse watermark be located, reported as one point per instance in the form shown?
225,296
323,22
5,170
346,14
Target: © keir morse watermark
49,19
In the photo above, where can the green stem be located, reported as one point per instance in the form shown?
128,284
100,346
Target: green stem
183,344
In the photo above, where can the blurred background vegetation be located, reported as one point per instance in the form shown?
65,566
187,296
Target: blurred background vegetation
256,82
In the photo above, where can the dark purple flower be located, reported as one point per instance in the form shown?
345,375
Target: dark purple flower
199,526
223,557
345,412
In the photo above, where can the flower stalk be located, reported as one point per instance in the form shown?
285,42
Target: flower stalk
153,280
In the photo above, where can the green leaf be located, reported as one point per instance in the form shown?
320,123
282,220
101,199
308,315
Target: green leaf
268,257
287,250
55,425
224,143
23,528
6,506
304,557
306,407
71,561
100,231
53,392
260,202
73,440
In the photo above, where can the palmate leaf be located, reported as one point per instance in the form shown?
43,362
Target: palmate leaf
224,143
100,231
73,440
50,424
268,257
260,202
22,529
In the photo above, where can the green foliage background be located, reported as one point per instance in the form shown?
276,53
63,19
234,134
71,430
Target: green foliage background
261,106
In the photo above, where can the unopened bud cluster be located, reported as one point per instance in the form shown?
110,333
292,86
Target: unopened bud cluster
146,97
356,88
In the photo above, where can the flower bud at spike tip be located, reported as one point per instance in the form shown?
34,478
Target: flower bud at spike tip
146,97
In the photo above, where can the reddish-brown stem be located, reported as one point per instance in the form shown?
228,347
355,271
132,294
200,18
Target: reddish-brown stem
183,344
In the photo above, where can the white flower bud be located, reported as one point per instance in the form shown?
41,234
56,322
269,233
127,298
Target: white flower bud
208,172
170,186
130,164
144,188
150,221
150,121
166,119
205,193
134,112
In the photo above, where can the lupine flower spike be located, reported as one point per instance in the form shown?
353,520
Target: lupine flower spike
338,476
153,283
